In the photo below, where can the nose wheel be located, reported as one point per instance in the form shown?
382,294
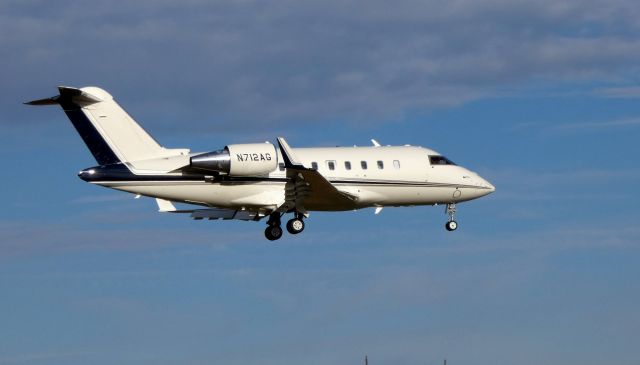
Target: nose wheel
451,224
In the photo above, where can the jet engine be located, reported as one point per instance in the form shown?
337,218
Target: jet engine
252,159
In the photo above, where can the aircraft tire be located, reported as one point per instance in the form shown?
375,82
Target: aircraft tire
273,233
451,226
295,226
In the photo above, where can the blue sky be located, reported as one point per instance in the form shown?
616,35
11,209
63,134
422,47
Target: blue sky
541,98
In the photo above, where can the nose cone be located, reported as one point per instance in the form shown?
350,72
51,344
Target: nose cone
487,185
475,186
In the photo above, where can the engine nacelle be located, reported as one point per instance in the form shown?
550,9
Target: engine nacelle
239,160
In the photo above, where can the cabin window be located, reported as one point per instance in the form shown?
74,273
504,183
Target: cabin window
380,165
440,160
396,164
363,164
281,166
314,165
331,165
347,165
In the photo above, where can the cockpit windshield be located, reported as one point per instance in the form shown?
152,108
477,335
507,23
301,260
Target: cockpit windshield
440,160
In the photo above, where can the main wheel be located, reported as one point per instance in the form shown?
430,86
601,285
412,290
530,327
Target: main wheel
273,233
451,226
295,226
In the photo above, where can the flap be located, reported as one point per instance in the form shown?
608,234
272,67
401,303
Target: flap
166,206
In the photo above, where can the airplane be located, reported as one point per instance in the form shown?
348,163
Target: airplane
260,180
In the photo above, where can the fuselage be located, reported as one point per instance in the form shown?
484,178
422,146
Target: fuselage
375,176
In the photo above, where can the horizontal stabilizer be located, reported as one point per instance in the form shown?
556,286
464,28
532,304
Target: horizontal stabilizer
48,101
69,94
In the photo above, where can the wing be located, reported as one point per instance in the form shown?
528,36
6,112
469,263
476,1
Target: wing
305,188
165,206
308,188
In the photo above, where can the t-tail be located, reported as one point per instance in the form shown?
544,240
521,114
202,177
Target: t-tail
111,134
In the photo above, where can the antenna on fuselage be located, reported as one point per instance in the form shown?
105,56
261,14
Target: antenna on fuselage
375,143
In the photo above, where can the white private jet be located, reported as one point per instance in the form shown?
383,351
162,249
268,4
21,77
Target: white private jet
258,180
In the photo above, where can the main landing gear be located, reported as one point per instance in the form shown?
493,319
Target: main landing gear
274,231
451,225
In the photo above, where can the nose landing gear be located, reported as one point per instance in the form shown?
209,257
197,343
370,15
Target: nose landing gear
451,225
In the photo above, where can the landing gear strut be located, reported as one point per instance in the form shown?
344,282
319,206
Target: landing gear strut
296,224
273,231
451,225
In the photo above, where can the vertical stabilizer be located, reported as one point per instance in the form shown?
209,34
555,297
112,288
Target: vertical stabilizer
109,132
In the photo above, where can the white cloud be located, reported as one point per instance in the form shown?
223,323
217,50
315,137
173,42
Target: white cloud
22,238
264,64
594,126
619,92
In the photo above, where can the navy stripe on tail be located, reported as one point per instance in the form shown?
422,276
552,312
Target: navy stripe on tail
99,148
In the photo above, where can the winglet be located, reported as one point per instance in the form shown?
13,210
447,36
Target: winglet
375,143
165,206
290,160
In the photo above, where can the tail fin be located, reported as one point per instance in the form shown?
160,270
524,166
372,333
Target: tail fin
109,132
